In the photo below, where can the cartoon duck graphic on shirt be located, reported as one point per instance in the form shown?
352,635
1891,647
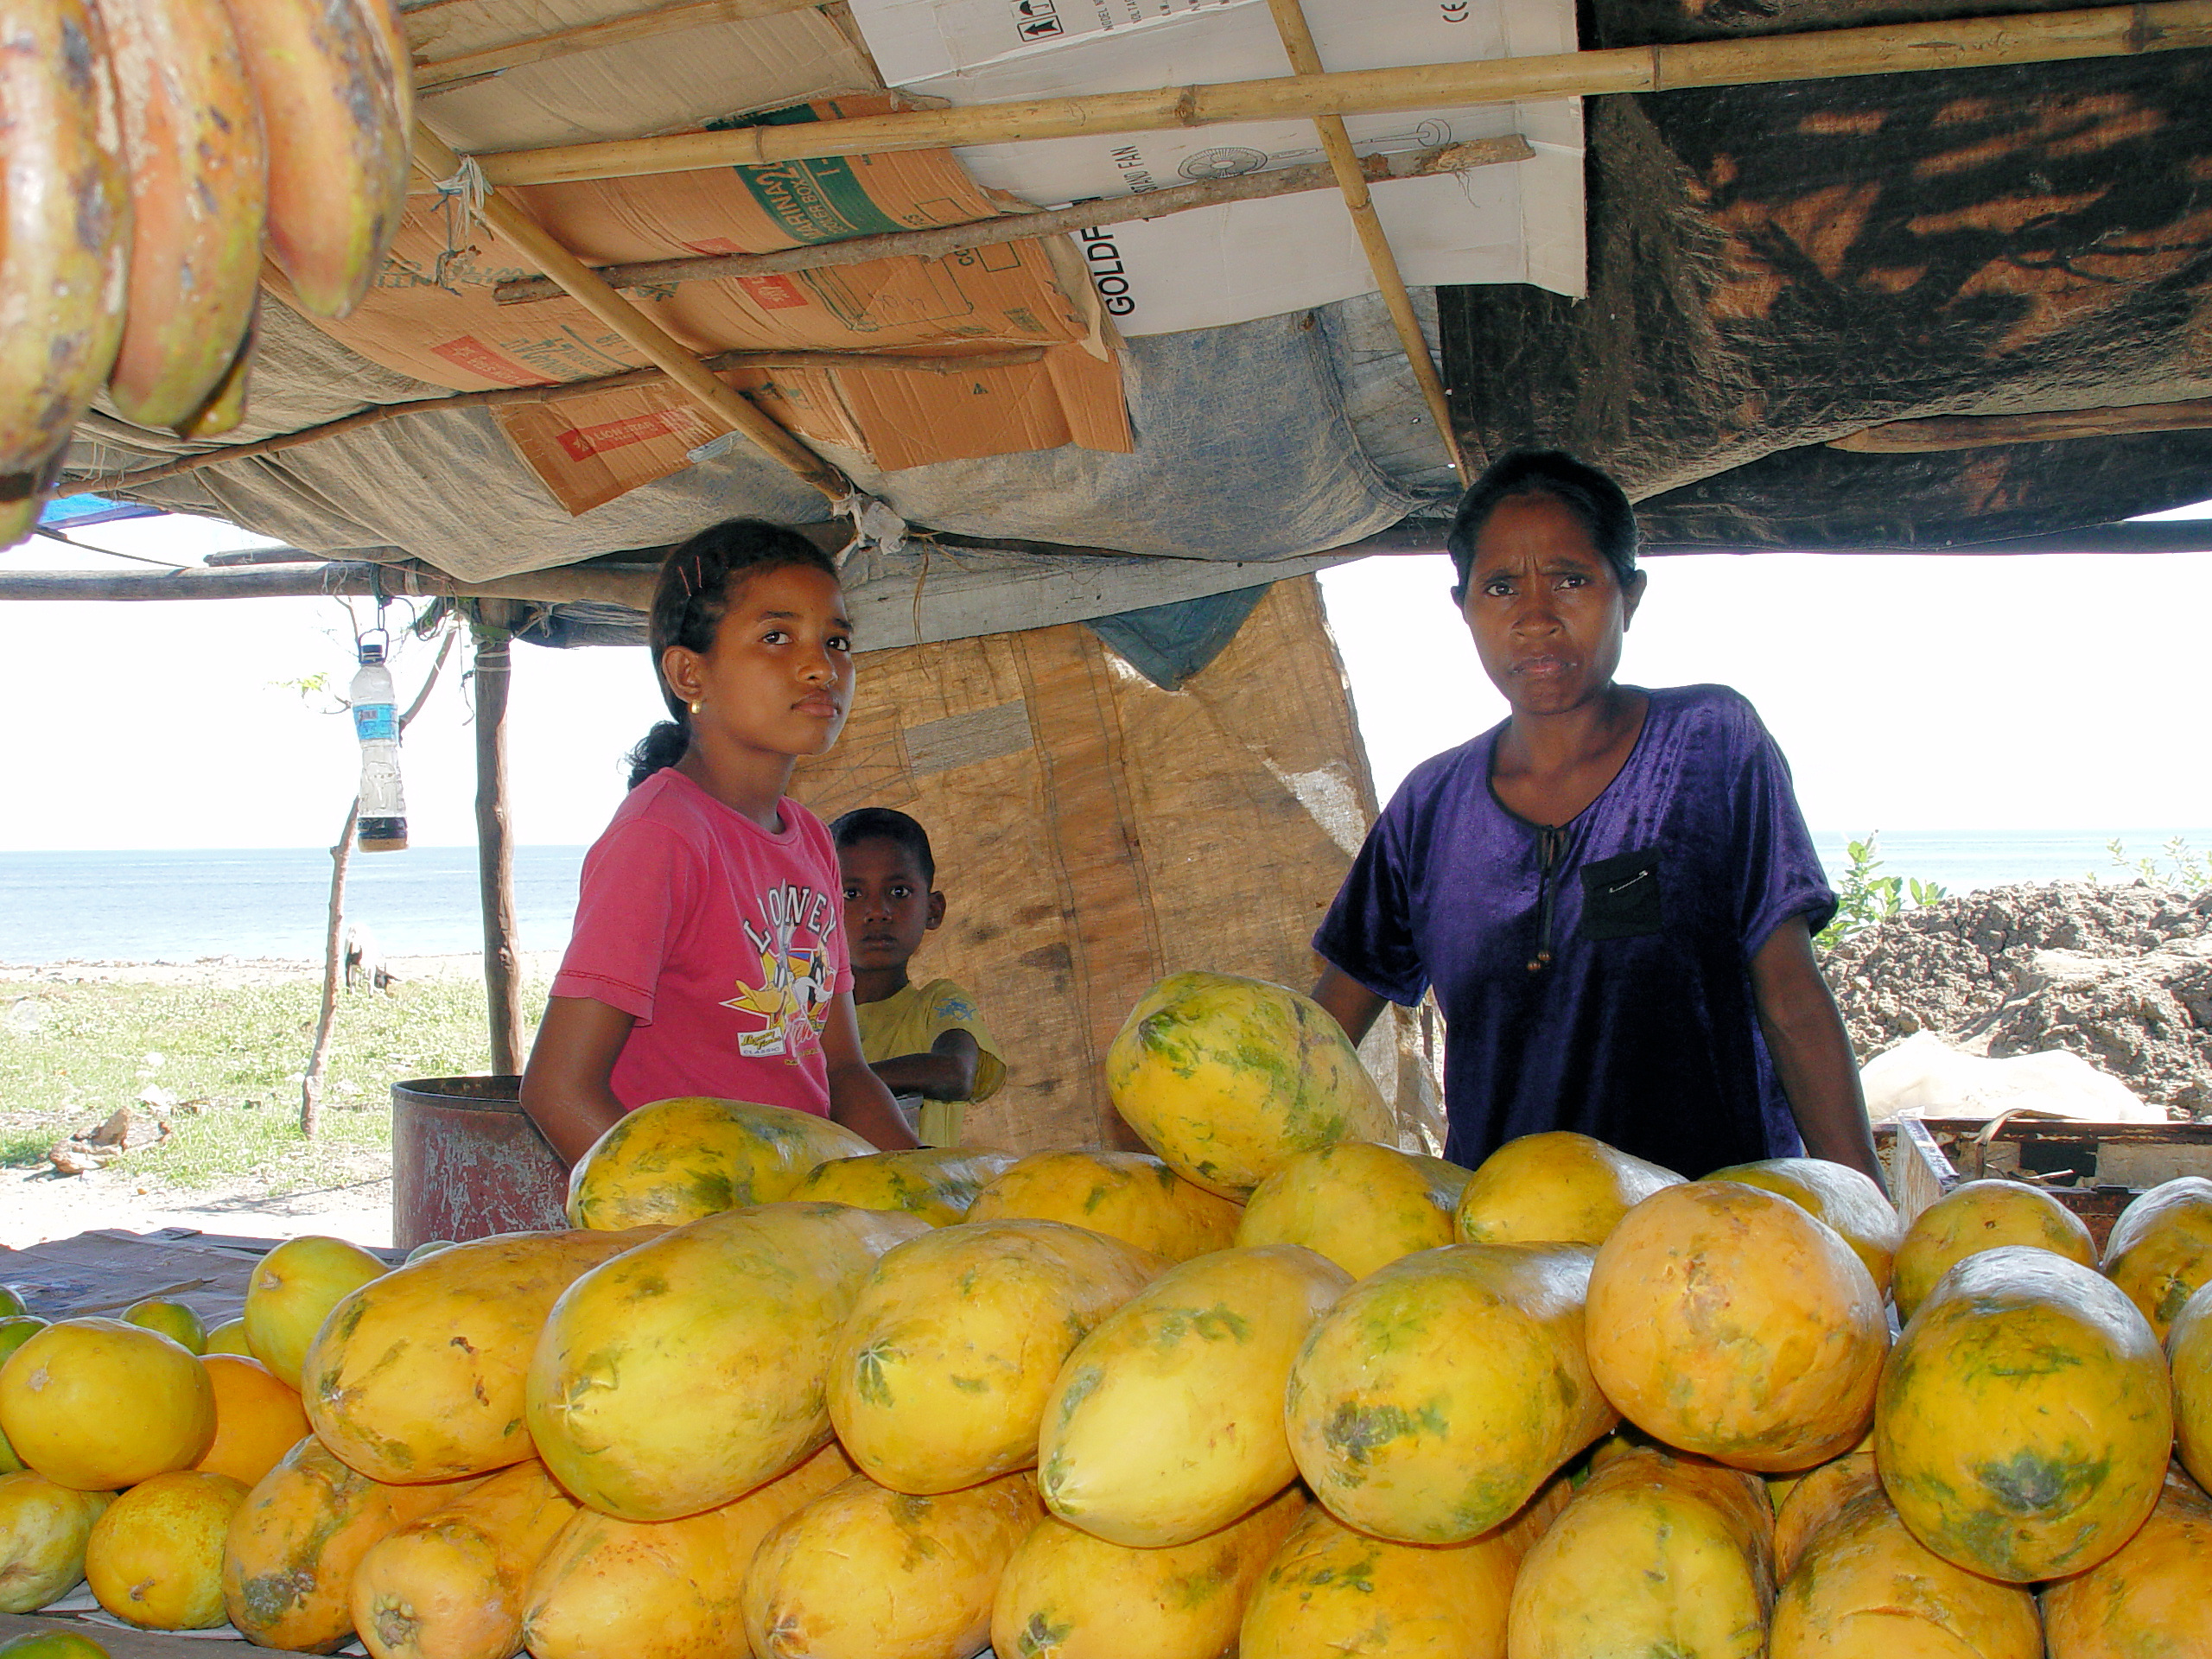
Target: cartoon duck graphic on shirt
792,998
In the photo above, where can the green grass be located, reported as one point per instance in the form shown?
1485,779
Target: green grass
236,1056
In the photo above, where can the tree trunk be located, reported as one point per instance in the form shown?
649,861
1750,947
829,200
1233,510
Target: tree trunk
494,842
333,965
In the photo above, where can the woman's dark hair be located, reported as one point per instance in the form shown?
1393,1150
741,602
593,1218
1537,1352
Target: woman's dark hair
1583,491
883,823
690,600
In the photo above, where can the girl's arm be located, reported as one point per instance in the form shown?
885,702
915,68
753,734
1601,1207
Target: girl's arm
1811,1050
857,1097
565,1087
946,1072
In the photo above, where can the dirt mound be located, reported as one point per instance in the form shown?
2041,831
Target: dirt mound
2120,975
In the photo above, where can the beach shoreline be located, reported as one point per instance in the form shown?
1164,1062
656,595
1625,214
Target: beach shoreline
223,972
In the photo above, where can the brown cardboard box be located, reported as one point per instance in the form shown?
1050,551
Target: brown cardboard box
431,316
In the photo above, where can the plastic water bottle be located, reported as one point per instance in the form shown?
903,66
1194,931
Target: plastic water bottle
376,722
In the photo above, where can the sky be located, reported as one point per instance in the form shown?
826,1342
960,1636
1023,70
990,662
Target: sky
2050,692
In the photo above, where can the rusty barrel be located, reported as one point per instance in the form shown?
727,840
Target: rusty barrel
465,1163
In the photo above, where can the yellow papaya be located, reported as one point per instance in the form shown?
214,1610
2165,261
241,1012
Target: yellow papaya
1229,1078
1813,1500
1360,1205
2160,1249
43,1529
2189,1356
1556,1187
1131,1196
450,1585
1165,1423
1727,1321
1850,1203
293,1544
673,1161
1069,1595
155,1557
1865,1588
1653,1554
257,1419
690,1369
291,1292
866,1572
418,1375
1334,1594
98,1404
940,1376
2025,1417
1980,1216
2149,1598
1438,1395
936,1183
662,1589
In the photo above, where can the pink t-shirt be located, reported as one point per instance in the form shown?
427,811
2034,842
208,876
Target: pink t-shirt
726,940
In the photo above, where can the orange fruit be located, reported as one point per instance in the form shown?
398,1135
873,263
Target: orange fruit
228,1337
97,1404
172,1319
154,1559
292,1291
257,1419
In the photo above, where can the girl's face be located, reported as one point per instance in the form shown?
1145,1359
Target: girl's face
1544,607
779,678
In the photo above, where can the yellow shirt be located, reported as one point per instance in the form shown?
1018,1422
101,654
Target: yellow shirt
909,1021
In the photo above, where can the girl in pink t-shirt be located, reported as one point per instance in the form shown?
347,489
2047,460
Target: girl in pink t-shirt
708,956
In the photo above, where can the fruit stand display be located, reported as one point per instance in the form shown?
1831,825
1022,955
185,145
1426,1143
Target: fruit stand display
1272,1388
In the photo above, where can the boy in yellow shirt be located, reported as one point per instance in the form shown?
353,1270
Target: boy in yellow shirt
925,1042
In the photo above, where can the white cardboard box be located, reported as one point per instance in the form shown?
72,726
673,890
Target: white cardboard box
1521,222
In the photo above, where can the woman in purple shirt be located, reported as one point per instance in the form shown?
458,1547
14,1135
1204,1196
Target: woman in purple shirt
1613,892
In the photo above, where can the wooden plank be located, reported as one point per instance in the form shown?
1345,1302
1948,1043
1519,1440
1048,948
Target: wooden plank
1963,43
495,854
1947,432
1919,1172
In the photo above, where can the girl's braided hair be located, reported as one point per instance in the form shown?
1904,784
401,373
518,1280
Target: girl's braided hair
697,581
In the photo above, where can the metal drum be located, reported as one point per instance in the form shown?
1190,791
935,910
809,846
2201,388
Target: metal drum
465,1163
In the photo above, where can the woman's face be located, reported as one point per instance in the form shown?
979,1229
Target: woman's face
1546,611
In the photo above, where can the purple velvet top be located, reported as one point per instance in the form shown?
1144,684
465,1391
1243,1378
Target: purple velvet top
1596,977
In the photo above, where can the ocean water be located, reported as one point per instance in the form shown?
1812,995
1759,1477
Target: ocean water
180,906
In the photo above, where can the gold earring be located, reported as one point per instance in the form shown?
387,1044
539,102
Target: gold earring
695,707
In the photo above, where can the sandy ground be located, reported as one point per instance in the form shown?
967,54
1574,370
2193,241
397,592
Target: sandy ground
39,1204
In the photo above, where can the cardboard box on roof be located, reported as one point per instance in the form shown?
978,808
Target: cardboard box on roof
432,315
589,449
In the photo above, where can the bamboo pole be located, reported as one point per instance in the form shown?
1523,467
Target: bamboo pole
949,363
495,854
674,359
1892,49
1351,180
652,22
1017,227
1944,432
608,585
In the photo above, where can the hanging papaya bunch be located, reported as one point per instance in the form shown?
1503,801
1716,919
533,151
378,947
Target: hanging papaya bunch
151,152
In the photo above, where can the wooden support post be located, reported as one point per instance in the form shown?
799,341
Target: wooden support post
1336,145
1878,49
434,158
495,858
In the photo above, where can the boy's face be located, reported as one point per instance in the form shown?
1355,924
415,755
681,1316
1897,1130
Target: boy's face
887,905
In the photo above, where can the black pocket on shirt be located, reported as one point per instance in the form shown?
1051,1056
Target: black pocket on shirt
1620,896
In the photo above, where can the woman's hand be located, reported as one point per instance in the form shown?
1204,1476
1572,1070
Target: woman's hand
1811,1050
857,1097
566,1087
